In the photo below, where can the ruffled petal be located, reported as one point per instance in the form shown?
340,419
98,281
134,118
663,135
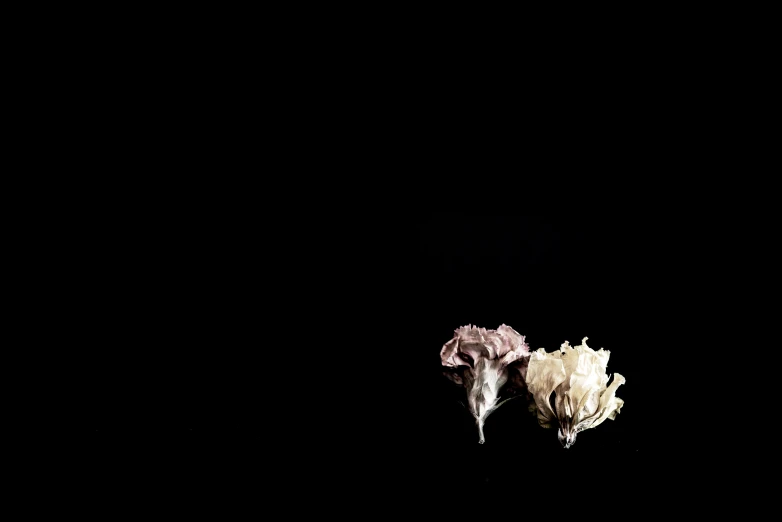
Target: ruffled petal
479,359
544,374
577,377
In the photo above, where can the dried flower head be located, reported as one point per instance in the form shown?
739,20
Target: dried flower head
478,359
577,377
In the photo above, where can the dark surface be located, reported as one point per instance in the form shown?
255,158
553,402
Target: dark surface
324,362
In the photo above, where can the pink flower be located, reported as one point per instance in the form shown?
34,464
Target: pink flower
479,359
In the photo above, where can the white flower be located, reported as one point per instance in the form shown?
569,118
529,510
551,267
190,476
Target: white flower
577,376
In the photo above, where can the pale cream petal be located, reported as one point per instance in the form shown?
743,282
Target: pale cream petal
587,377
544,374
609,403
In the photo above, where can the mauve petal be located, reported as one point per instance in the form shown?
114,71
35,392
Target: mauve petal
449,351
483,356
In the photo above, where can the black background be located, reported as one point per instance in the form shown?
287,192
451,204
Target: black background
307,355
243,335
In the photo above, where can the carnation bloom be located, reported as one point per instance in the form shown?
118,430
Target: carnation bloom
577,376
478,359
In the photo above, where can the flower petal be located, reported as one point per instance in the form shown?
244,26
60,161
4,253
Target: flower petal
478,359
544,374
610,404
